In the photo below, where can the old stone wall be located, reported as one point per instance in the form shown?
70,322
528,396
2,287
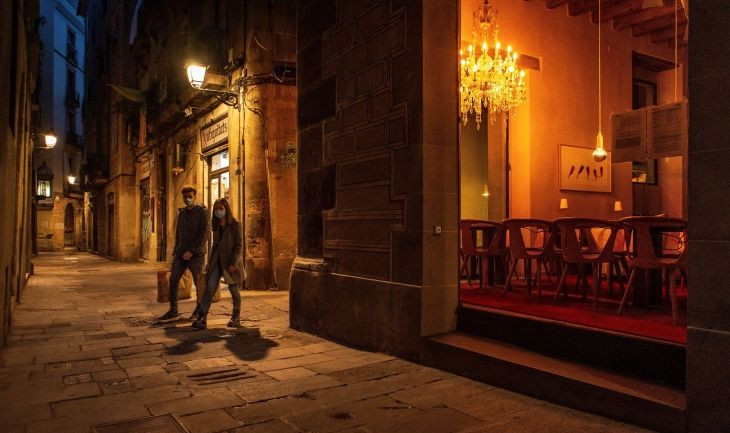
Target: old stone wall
362,204
708,330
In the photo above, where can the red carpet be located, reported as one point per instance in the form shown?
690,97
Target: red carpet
654,322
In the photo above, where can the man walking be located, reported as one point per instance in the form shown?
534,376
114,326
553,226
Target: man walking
191,233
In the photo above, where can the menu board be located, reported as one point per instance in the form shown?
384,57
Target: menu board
629,135
667,130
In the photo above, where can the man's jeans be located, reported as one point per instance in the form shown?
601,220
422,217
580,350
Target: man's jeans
213,277
195,264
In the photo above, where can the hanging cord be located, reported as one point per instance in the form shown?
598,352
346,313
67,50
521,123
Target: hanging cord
676,46
599,65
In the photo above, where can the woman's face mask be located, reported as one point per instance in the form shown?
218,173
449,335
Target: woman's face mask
220,213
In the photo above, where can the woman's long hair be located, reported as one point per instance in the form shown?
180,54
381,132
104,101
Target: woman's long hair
215,222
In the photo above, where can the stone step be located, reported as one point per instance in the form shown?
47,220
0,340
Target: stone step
640,402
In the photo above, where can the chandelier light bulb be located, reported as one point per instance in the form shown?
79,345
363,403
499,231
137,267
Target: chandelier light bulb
471,48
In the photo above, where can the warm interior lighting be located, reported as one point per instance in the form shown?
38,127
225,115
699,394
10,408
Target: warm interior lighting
196,75
486,191
71,179
563,203
50,139
617,206
491,81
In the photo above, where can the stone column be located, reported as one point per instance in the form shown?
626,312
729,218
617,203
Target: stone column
708,331
257,223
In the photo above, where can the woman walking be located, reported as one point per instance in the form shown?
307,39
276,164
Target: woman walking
225,261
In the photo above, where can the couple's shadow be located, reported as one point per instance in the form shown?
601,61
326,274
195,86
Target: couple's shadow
243,342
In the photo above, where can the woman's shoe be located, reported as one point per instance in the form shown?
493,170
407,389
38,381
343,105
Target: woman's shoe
235,321
200,324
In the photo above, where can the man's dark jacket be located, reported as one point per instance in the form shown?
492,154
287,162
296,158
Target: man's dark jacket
191,232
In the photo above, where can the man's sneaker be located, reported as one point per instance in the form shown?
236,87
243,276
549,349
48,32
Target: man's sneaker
200,324
169,317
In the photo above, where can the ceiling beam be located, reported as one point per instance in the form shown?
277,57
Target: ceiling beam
667,34
552,4
641,15
618,10
579,7
661,22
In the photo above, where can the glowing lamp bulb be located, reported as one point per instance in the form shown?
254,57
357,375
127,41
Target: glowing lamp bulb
196,75
599,155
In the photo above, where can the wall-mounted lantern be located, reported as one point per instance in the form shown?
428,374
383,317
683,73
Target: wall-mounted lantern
218,84
50,139
44,182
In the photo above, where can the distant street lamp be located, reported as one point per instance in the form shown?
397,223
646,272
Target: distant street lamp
71,179
50,139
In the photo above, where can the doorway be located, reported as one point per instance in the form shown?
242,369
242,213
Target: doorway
145,219
111,244
68,226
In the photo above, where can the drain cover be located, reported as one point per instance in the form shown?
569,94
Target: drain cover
135,321
155,424
216,377
77,378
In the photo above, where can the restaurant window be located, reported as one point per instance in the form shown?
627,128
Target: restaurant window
644,172
218,177
521,254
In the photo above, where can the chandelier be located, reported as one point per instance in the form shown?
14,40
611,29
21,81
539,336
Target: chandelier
492,79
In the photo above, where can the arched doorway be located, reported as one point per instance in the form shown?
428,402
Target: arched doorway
68,226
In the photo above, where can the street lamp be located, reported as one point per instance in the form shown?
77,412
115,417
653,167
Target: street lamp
71,179
202,78
196,75
50,139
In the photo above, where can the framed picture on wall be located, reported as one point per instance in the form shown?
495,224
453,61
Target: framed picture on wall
578,171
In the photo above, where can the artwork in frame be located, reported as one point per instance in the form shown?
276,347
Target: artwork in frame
578,171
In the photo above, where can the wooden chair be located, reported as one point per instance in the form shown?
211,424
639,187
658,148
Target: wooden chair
540,247
577,250
492,233
649,233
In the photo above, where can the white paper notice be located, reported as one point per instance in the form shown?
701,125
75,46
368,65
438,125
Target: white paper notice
629,135
667,130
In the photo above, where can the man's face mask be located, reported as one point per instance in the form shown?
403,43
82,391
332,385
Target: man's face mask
188,200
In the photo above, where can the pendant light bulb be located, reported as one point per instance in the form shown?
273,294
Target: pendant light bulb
599,155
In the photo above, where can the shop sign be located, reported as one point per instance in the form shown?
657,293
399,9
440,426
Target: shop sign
214,134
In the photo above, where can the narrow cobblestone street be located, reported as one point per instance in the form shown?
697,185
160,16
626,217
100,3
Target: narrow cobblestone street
84,352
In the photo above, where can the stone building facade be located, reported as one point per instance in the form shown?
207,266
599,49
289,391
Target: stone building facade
18,136
169,134
59,216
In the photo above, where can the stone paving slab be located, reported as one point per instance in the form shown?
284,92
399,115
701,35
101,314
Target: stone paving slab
84,351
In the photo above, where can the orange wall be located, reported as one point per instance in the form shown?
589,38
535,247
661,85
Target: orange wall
563,99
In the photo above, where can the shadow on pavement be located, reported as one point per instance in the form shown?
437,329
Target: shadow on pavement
245,343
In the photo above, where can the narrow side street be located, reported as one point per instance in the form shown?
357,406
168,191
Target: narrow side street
84,352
